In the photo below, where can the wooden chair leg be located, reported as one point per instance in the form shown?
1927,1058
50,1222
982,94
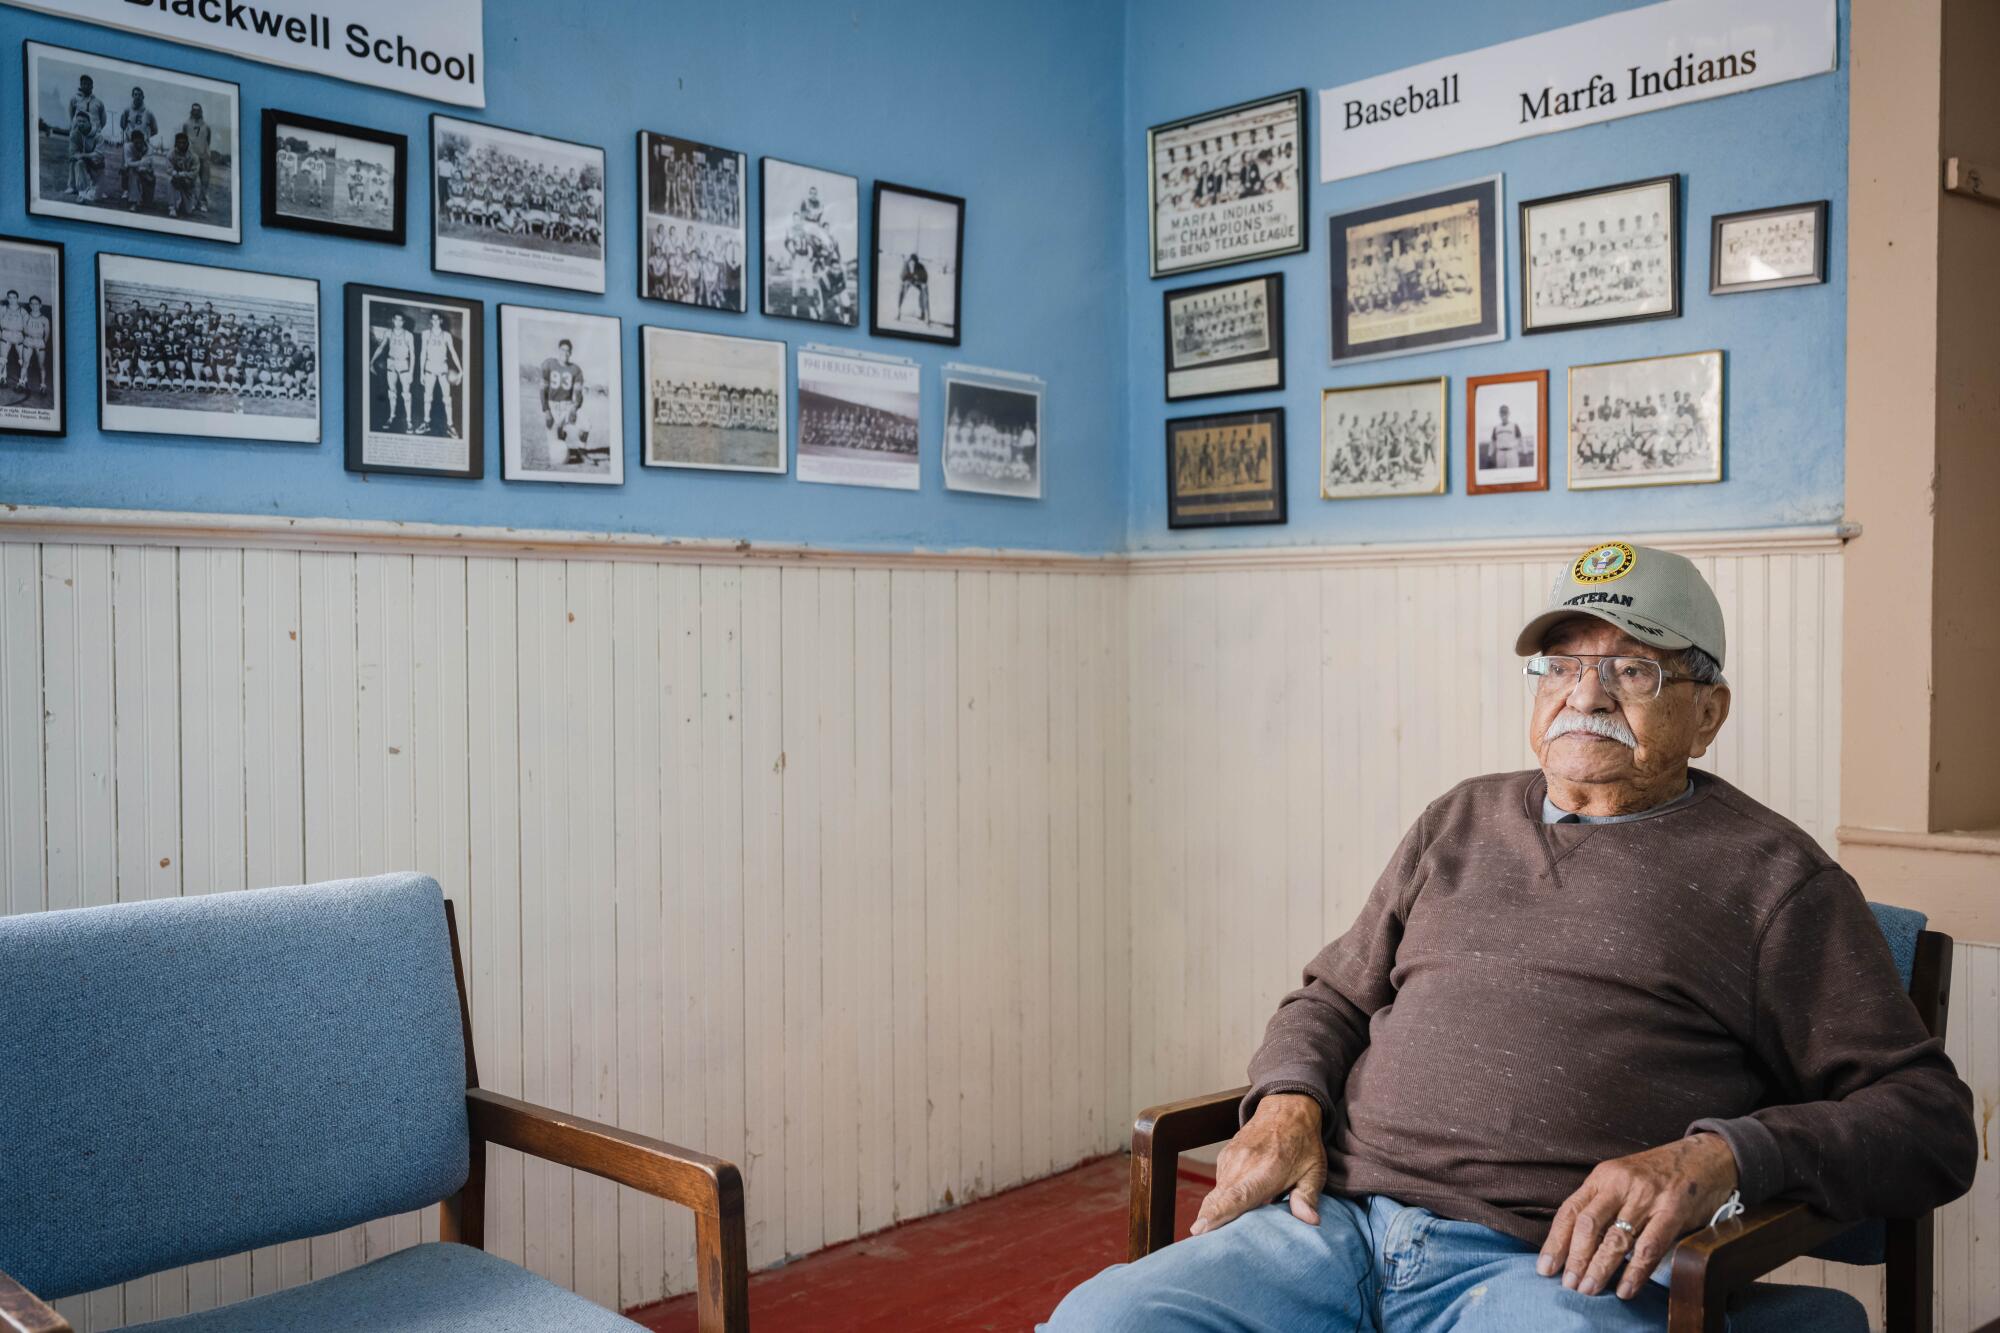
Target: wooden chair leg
1155,1183
462,1217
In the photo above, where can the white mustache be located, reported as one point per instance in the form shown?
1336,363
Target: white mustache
1595,724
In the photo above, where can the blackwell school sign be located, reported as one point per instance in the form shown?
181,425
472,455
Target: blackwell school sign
1619,65
431,48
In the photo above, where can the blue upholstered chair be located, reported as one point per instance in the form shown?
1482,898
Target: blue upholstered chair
195,1077
1715,1271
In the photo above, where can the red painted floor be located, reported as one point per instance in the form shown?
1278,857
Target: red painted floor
1001,1263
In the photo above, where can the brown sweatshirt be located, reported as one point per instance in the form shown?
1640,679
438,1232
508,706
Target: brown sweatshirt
1519,1001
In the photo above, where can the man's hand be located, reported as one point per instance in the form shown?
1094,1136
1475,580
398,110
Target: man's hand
1278,1150
1664,1193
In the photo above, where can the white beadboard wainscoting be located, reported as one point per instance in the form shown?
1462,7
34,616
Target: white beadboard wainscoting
818,867
897,879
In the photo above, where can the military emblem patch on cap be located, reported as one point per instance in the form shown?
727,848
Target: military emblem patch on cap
1601,564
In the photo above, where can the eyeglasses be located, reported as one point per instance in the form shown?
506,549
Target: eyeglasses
1629,680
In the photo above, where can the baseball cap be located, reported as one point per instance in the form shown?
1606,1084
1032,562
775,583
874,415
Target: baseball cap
1655,596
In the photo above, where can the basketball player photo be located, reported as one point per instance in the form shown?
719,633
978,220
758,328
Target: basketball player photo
561,397
919,250
415,383
32,364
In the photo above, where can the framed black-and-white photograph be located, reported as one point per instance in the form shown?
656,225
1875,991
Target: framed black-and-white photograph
713,401
1228,186
811,243
1226,471
415,383
131,145
858,419
34,365
919,253
523,207
1225,337
335,179
1507,432
1654,421
562,407
1418,273
185,349
1767,247
1382,440
693,223
993,434
1609,255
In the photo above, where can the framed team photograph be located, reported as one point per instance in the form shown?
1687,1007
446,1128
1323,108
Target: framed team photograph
811,243
1228,186
1226,471
523,207
713,401
1653,421
131,145
1610,255
415,383
185,349
693,223
335,179
1382,440
1507,433
919,251
34,365
858,419
1225,337
562,402
1766,248
1418,273
993,435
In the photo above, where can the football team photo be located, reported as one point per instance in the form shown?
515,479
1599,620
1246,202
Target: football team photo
190,350
561,404
415,406
32,401
131,145
714,401
341,180
517,206
858,420
692,200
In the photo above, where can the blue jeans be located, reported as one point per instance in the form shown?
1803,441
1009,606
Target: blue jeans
1371,1264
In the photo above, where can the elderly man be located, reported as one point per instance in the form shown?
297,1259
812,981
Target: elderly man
1583,1009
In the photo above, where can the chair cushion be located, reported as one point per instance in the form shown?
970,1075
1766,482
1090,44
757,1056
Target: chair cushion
1775,1307
193,1077
437,1288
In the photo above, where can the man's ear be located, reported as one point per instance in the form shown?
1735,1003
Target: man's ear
1711,711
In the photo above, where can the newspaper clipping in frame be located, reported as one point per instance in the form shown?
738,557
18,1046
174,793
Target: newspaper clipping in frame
1229,185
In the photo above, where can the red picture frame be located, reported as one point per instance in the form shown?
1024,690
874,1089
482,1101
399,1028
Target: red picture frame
1473,466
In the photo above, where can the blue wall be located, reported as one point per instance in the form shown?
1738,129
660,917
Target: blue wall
1784,387
1016,107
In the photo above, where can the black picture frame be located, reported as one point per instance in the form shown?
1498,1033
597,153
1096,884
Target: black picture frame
1293,100
853,282
178,419
396,233
1816,208
358,391
1524,239
35,128
572,273
58,343
1230,512
649,290
882,269
1248,372
1487,196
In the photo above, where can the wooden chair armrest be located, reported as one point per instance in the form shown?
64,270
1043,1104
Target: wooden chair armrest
1159,1136
1713,1264
710,1186
21,1311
